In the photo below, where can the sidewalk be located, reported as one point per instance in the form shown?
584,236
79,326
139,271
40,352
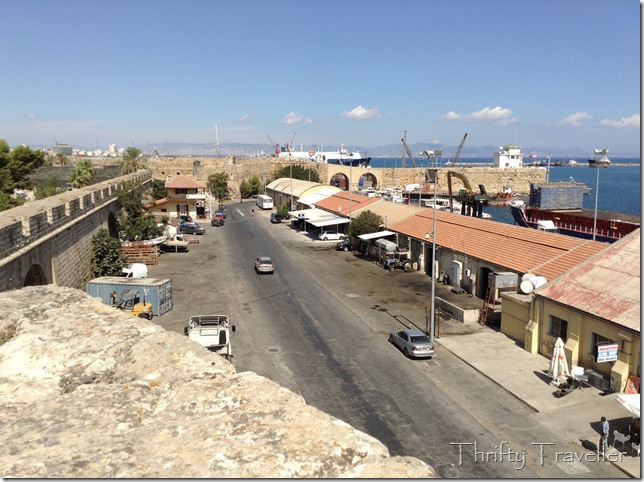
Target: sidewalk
491,353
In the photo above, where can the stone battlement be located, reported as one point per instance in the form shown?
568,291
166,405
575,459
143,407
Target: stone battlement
26,224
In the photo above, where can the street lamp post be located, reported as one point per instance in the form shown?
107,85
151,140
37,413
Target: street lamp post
596,199
434,173
291,169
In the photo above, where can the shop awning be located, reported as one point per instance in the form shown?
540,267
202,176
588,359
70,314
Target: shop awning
318,223
379,234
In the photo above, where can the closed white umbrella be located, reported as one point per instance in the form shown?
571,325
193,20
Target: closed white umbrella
558,364
630,401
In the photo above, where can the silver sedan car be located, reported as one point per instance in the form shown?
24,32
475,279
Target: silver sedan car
413,343
264,264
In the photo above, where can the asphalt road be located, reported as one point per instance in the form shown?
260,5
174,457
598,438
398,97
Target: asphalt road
319,327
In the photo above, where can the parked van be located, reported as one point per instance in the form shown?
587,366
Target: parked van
136,270
264,202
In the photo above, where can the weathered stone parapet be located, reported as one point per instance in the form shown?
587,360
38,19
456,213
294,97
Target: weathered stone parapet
90,392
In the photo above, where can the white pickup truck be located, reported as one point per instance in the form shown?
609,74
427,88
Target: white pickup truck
213,332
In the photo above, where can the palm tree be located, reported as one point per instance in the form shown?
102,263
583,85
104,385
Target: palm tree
61,158
132,161
82,174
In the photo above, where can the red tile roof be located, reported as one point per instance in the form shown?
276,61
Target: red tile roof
606,285
343,203
516,248
183,182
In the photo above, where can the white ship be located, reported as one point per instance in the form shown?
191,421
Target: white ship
340,156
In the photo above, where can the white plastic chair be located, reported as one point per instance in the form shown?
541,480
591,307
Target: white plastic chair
636,448
578,375
620,437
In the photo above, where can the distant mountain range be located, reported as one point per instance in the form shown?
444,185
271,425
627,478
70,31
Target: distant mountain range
389,151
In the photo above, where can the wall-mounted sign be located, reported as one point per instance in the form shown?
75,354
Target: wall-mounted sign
195,196
607,353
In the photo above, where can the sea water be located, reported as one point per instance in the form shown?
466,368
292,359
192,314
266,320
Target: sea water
620,186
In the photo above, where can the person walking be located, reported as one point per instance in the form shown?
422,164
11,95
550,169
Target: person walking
603,437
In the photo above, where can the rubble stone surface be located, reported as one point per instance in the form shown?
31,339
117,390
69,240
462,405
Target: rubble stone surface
90,392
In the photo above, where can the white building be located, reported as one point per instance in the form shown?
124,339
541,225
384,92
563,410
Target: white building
113,150
508,156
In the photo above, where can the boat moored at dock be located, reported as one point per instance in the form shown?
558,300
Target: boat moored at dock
340,156
559,205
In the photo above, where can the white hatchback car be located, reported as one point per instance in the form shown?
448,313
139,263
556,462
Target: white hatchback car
330,235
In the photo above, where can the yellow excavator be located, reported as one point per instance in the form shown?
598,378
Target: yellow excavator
130,303
466,195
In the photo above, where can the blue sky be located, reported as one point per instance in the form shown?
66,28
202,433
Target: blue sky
562,74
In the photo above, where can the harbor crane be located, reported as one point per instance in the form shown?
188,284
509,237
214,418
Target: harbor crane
290,144
407,151
458,151
276,146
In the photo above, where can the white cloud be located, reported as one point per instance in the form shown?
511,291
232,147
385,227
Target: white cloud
498,115
575,119
632,121
245,118
293,118
28,115
361,114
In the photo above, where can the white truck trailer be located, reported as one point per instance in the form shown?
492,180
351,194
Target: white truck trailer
212,332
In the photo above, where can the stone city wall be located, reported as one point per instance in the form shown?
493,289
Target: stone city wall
238,169
49,240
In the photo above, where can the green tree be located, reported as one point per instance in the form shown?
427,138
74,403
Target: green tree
132,161
82,174
107,258
364,223
48,188
158,190
250,187
299,172
218,185
282,210
15,167
8,202
134,222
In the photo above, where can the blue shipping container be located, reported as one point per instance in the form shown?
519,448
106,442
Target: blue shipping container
158,292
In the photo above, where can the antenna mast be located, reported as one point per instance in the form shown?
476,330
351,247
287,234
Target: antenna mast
217,138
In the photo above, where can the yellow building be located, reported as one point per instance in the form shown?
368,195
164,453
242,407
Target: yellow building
184,196
594,308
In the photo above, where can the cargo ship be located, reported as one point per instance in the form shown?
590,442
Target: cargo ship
600,160
557,207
